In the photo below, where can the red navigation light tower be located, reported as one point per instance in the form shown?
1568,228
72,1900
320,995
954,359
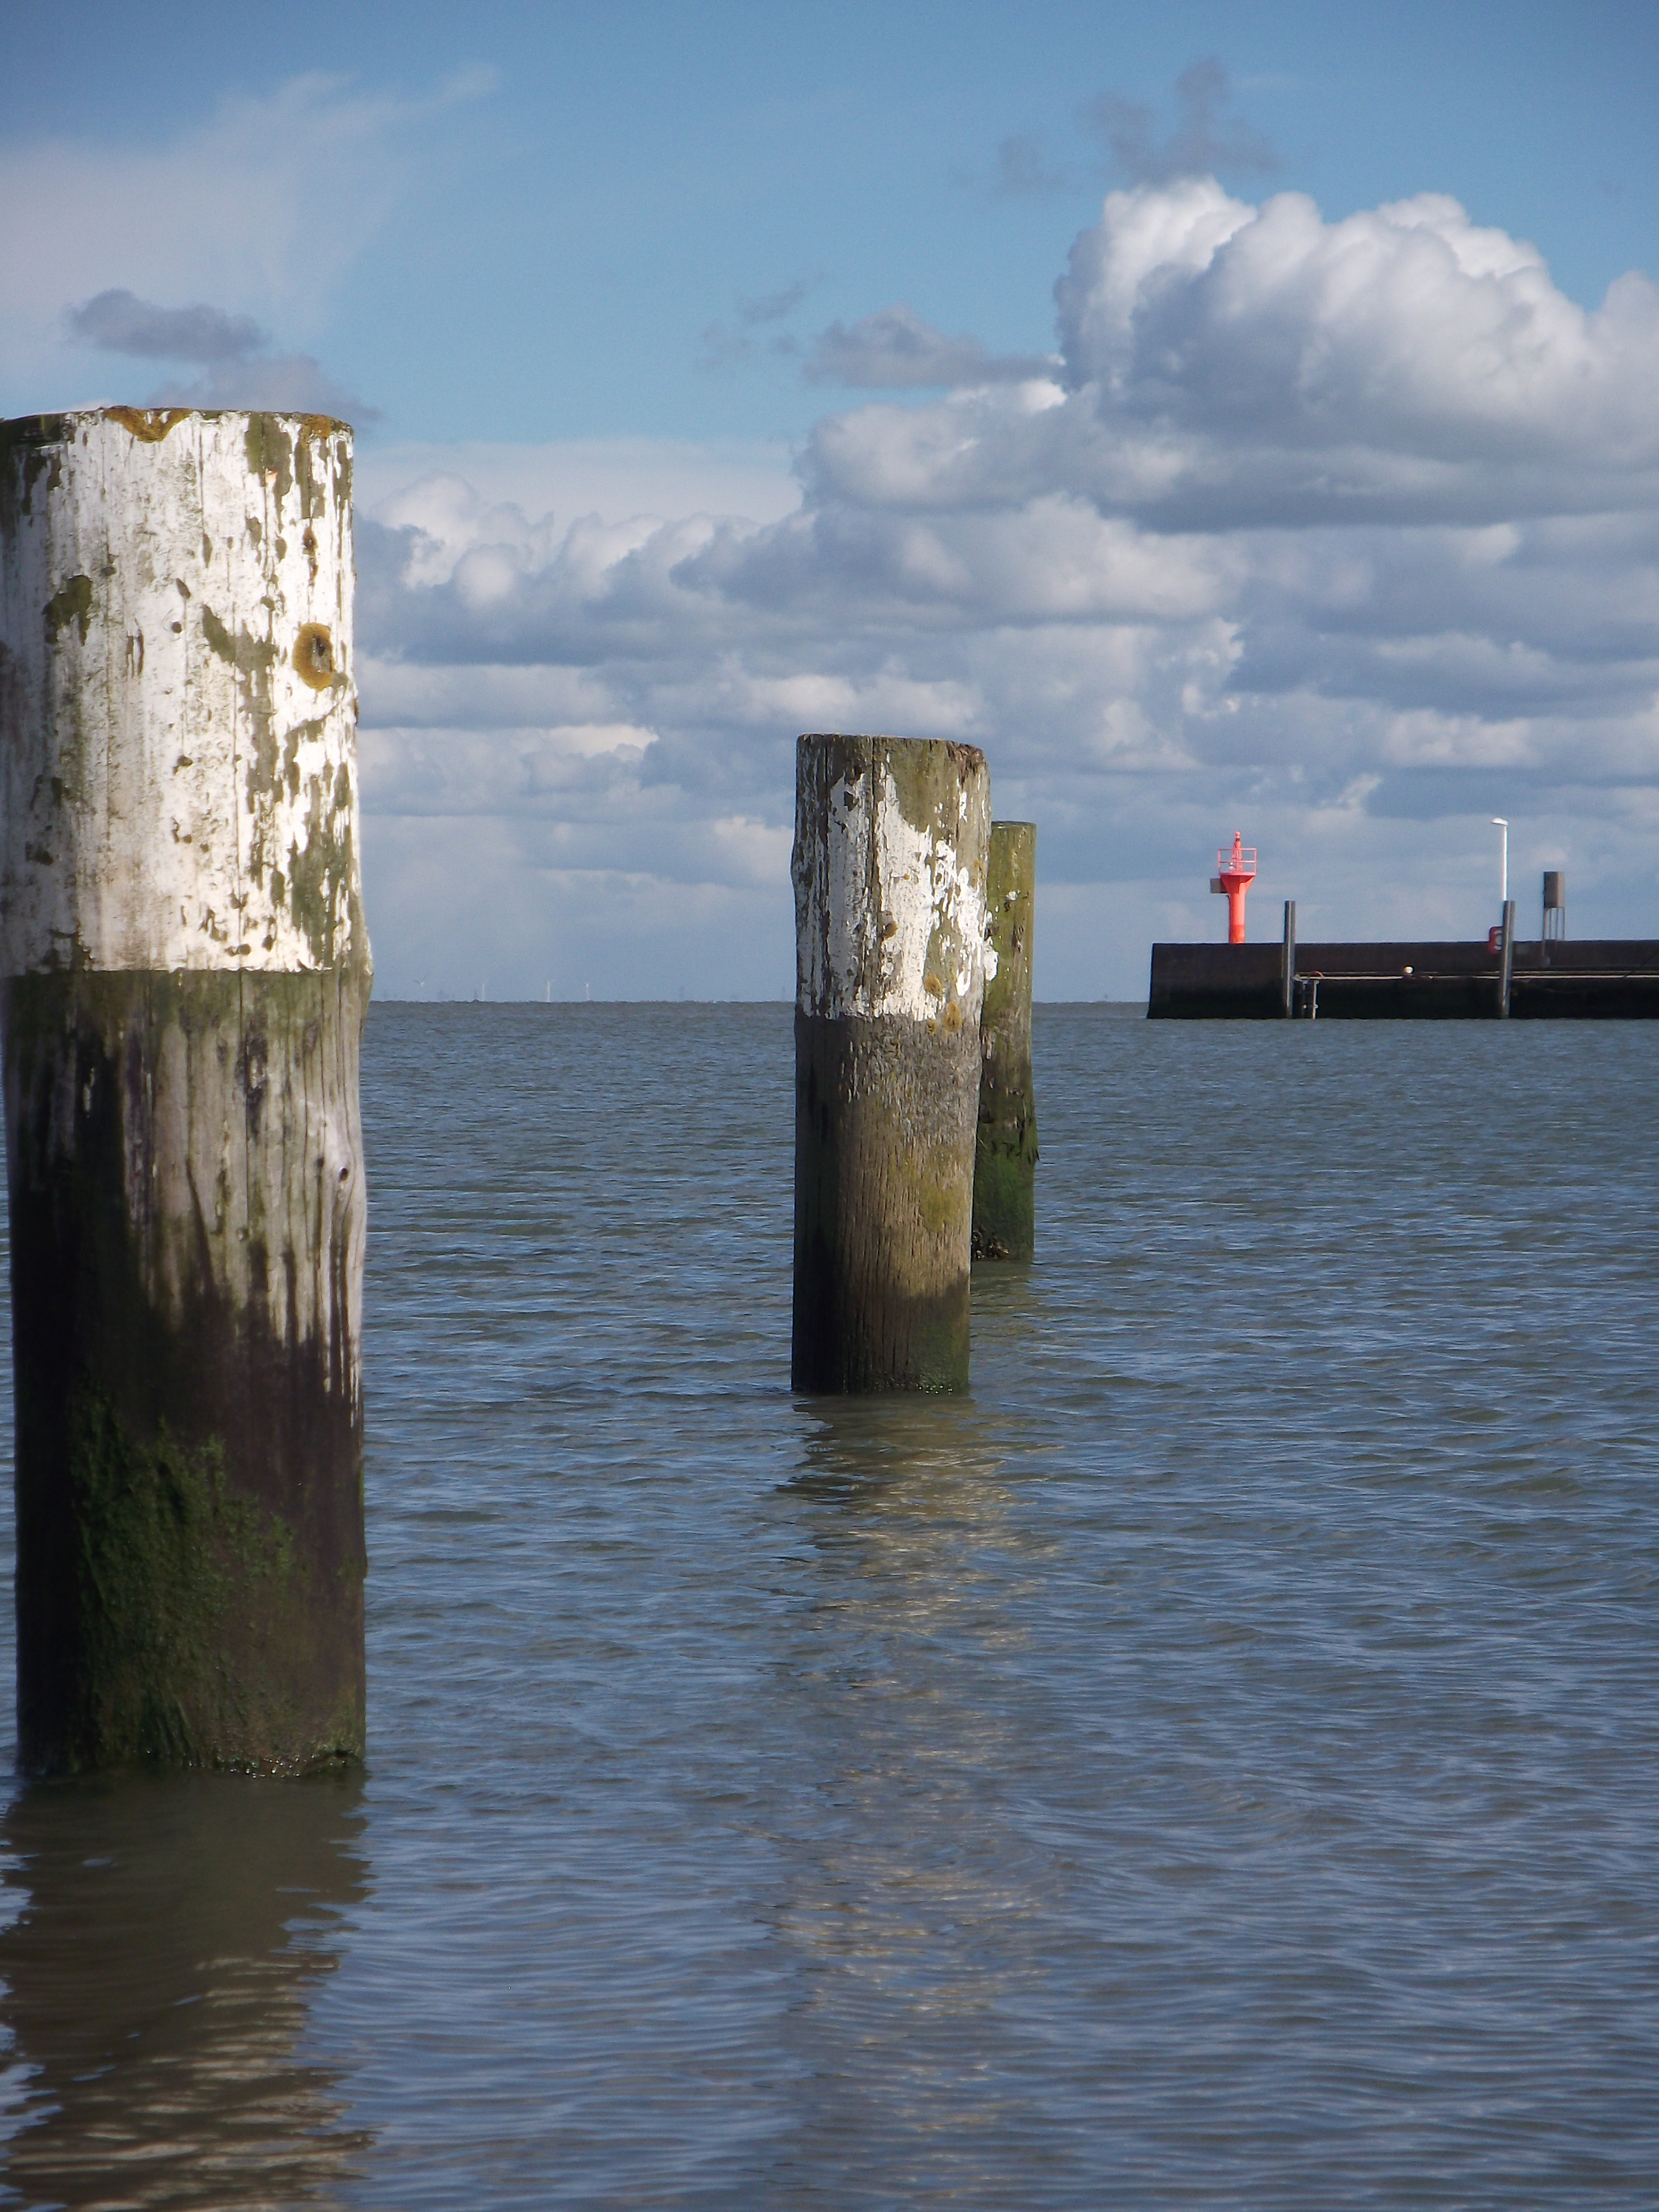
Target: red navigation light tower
1235,873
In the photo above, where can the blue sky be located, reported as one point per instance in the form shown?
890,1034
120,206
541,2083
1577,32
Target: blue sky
622,262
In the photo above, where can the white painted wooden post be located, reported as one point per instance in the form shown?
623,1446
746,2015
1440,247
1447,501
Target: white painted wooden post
184,973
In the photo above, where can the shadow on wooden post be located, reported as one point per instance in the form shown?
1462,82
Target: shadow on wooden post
891,838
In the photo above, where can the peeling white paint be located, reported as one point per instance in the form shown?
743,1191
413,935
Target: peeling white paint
890,911
177,718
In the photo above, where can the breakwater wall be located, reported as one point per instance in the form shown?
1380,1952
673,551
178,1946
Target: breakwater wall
1591,979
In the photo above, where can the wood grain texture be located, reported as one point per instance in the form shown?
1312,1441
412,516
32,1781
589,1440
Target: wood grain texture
187,1220
177,716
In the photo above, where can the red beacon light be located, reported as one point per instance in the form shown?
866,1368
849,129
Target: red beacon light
1235,873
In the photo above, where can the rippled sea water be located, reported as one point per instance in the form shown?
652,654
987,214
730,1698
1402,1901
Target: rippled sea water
1217,1764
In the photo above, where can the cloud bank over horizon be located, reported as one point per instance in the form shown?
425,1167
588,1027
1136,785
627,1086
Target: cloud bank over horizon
1340,531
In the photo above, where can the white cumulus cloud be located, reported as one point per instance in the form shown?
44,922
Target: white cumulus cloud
1345,532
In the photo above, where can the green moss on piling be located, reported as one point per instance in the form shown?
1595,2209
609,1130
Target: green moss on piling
323,869
189,1474
270,451
167,1555
72,602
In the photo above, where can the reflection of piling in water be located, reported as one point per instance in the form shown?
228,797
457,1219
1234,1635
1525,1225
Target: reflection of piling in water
891,839
184,971
1004,1157
169,1932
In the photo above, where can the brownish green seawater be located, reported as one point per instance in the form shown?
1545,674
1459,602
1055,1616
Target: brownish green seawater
1216,1763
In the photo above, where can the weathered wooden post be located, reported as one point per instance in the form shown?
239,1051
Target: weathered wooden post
891,838
1004,1157
184,972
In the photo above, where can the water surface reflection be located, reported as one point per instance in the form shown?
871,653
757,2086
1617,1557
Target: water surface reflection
908,1879
163,1936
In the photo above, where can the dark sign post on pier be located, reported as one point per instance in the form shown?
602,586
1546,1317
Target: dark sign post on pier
1288,978
184,972
1004,1160
891,857
1506,970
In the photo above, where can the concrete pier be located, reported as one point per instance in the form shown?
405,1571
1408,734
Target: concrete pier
891,856
184,973
1004,1157
1587,979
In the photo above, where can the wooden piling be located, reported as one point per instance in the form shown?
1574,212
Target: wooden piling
1006,1151
891,848
184,973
